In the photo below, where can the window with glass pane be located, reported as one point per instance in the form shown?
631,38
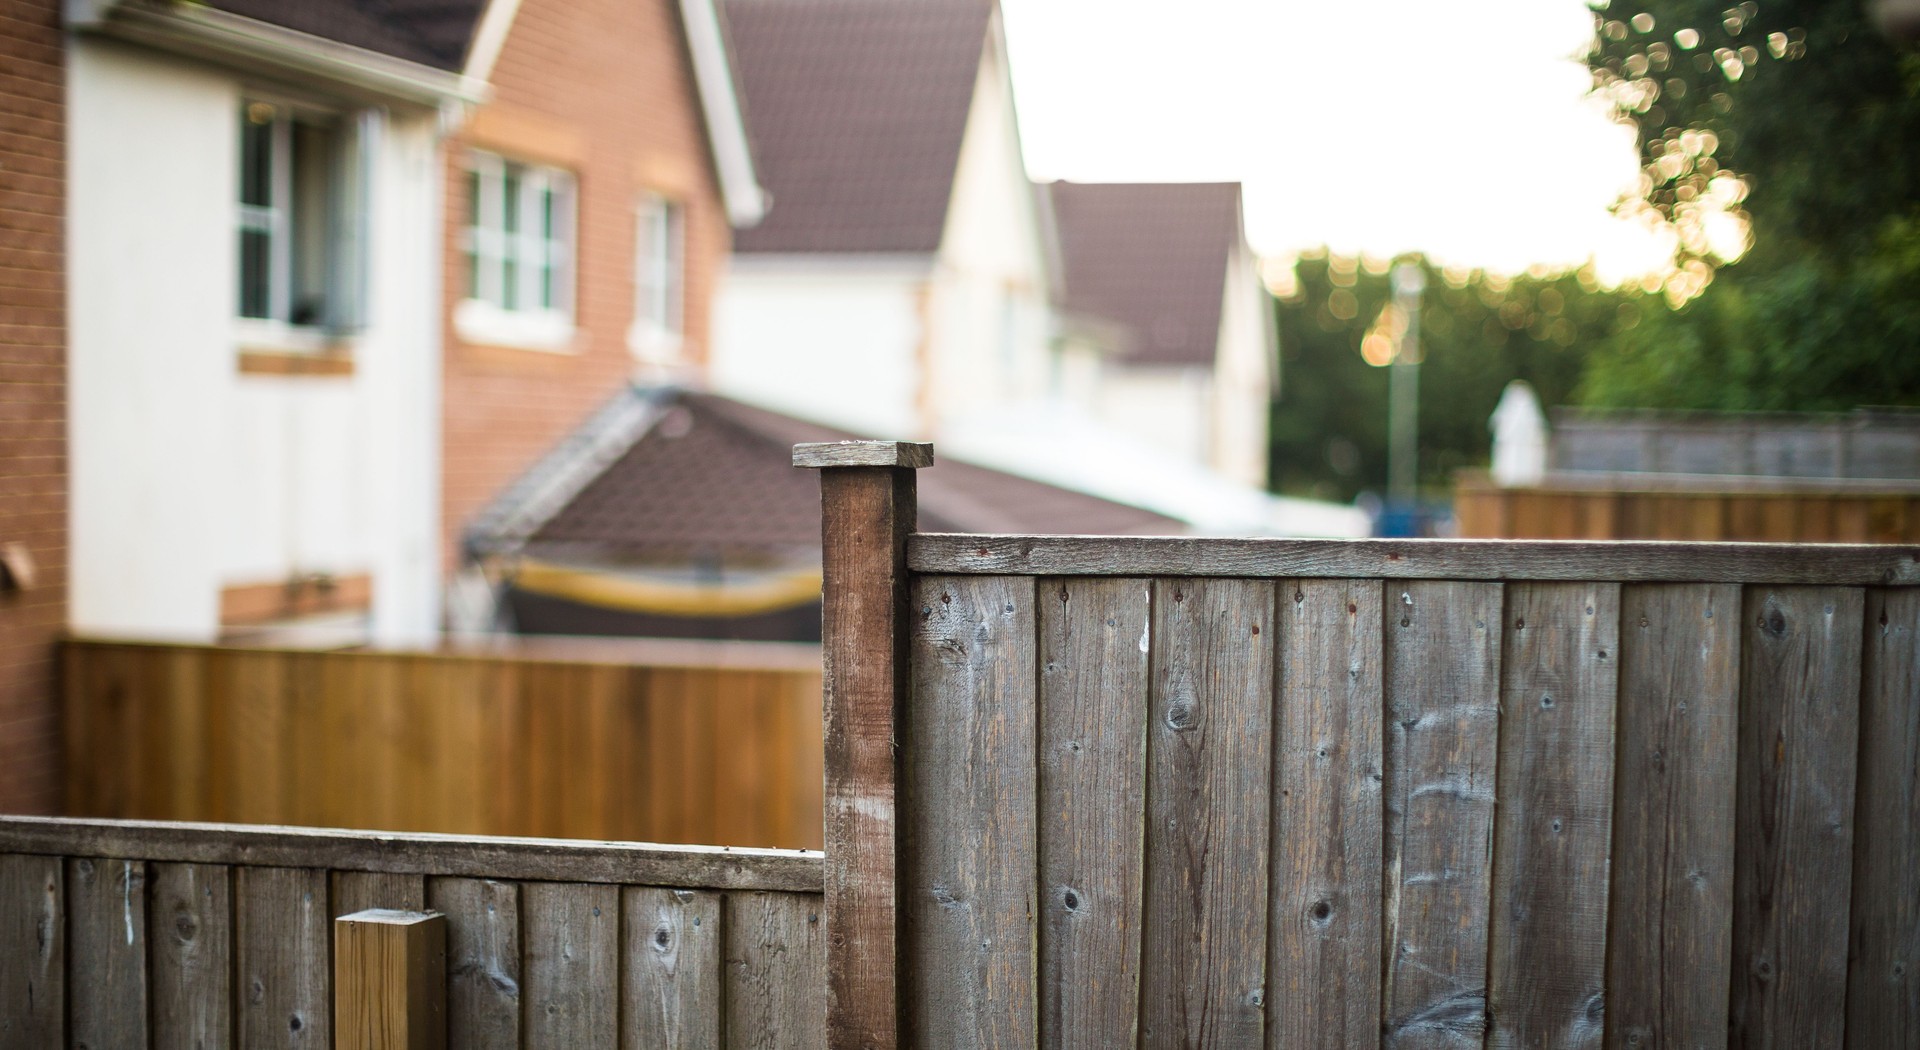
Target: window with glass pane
518,239
290,168
658,266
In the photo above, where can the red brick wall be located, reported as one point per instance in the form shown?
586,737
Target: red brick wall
602,87
33,393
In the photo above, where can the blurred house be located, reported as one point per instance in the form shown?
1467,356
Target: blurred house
679,514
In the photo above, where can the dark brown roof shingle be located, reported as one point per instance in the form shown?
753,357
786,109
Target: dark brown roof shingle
855,110
1151,258
431,32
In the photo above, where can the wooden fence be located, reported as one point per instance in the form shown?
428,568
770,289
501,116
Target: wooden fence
692,749
122,934
1197,792
1702,508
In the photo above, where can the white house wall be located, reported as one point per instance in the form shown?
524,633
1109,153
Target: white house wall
1243,377
188,476
1166,407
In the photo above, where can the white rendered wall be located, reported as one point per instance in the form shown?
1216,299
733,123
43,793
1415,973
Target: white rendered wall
186,476
1242,377
1165,407
834,342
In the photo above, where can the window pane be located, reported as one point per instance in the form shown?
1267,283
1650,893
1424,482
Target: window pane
312,229
253,273
549,254
256,154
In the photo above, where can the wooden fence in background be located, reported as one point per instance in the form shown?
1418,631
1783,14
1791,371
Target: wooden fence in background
481,744
1708,508
1234,793
177,935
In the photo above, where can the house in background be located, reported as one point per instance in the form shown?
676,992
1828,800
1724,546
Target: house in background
588,205
901,278
253,238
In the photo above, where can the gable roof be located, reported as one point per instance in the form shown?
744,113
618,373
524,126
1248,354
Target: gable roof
431,32
706,473
1150,258
856,110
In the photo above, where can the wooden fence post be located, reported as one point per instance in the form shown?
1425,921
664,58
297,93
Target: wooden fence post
867,504
390,980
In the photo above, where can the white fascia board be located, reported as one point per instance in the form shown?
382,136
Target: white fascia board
204,32
740,189
488,38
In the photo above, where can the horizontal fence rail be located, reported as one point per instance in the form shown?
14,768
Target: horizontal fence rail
486,744
1692,508
136,934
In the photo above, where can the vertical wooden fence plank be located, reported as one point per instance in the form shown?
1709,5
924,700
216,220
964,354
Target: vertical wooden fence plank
1323,941
1669,949
483,961
1092,785
572,964
106,952
1209,775
33,960
1793,859
1443,714
1883,974
284,966
970,853
359,890
670,987
192,957
775,972
390,980
1547,943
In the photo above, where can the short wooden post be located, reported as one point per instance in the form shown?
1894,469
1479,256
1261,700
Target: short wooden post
867,499
390,980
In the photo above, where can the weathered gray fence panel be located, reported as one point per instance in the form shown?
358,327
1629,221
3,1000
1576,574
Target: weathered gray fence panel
1547,943
191,926
283,936
776,977
359,890
107,952
1209,774
1793,867
1443,714
671,986
1323,940
1671,923
1883,978
572,964
33,943
1094,639
484,981
969,874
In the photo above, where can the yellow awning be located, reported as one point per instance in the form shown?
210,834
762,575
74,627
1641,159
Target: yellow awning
610,590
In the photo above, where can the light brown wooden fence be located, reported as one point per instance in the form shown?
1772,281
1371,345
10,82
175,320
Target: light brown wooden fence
1199,792
168,935
1700,509
485,744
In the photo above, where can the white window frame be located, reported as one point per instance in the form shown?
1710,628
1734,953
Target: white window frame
277,330
659,279
494,313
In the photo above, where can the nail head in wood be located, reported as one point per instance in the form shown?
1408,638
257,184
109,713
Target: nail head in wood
909,454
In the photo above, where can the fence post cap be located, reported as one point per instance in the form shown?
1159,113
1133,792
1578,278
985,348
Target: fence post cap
909,454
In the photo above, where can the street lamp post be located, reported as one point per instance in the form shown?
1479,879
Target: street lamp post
1403,396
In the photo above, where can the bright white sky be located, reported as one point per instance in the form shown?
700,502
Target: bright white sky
1460,129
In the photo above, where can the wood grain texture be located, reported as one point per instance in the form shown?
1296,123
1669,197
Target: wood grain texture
390,980
1323,936
866,516
1553,829
1094,636
670,988
571,937
776,961
281,940
483,961
33,942
909,454
969,876
191,955
1669,949
1883,971
693,867
1442,654
1209,776
359,890
106,904
1625,561
1799,727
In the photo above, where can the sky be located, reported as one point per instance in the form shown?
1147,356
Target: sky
1459,129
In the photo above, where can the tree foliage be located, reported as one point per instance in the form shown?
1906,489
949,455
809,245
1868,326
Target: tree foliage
1802,120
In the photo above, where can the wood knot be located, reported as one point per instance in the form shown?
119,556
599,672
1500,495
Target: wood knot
1321,913
1181,717
662,939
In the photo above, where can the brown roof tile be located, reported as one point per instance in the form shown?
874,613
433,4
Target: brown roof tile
1151,258
431,32
714,475
855,109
